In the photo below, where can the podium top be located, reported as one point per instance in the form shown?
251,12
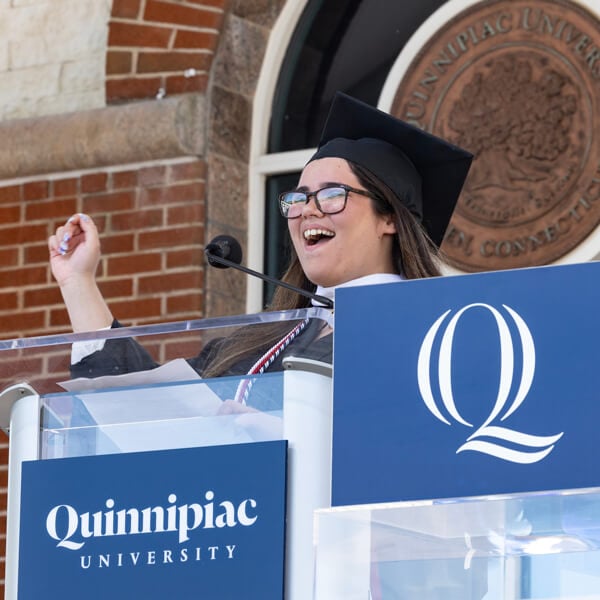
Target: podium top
44,362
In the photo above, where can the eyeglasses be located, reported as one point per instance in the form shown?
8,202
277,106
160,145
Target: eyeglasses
329,200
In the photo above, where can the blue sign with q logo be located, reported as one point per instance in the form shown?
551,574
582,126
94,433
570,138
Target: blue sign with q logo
465,386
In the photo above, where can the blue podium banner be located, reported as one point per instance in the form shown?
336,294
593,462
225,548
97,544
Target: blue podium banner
467,385
194,523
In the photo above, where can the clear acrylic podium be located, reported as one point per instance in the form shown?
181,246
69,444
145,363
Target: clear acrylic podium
543,545
519,547
121,414
486,385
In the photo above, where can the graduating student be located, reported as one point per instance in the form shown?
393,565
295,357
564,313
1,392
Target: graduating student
371,206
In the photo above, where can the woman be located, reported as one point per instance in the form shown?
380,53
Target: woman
371,206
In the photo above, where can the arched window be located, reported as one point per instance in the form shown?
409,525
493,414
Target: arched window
346,45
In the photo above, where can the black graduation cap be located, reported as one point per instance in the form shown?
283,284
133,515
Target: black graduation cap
424,171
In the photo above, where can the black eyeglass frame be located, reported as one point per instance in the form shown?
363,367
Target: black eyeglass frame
308,195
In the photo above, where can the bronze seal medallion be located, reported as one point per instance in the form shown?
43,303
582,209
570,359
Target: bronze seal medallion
518,84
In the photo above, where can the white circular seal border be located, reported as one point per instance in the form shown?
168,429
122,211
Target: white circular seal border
589,248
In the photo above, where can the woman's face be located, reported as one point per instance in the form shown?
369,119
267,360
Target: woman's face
333,249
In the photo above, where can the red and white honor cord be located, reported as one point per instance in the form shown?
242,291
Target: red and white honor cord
265,361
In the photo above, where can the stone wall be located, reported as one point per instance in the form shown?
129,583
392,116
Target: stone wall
52,56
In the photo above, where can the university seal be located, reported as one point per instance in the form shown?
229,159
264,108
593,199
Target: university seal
518,84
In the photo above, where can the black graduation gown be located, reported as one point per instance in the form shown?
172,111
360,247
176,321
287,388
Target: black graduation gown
125,355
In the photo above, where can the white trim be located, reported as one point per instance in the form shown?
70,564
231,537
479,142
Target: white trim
283,162
259,161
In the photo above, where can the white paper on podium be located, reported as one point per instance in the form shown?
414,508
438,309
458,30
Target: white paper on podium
175,370
167,416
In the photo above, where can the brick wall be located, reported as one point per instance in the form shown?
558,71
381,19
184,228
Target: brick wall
159,47
151,220
152,214
75,55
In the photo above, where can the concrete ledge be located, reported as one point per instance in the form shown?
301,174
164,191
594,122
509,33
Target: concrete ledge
115,135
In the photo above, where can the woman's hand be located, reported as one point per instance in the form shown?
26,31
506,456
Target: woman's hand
74,257
74,250
259,425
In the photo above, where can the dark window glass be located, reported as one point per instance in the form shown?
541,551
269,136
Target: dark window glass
346,45
277,242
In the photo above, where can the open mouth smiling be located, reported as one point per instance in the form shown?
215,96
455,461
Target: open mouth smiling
314,236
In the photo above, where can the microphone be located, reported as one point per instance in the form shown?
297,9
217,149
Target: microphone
225,251
223,246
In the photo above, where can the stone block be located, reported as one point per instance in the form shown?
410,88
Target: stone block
235,68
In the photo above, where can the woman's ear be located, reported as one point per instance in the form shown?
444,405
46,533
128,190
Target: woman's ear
388,225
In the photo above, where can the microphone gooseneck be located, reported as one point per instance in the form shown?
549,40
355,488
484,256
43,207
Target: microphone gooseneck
225,251
223,246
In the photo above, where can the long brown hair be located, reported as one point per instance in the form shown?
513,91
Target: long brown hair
414,255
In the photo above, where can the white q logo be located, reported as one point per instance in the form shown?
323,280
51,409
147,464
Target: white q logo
474,443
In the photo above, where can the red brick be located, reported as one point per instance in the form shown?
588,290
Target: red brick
181,348
195,39
50,209
59,359
9,257
132,88
20,235
24,321
8,300
148,176
118,62
116,288
178,84
190,213
42,296
138,263
137,309
10,214
166,12
143,36
113,244
121,200
126,9
95,182
167,238
36,190
191,280
152,348
185,258
24,276
47,385
11,193
136,220
160,62
124,179
191,304
35,253
187,170
172,194
60,318
65,187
